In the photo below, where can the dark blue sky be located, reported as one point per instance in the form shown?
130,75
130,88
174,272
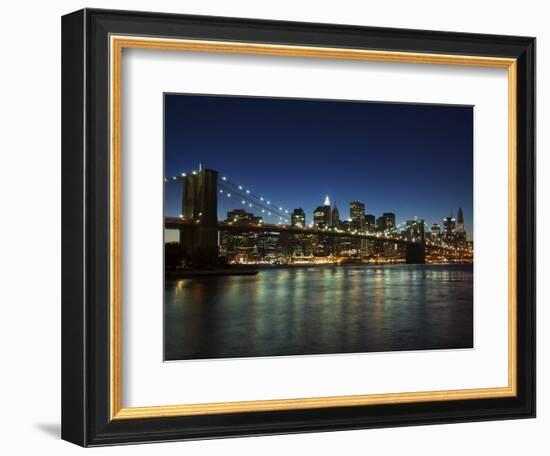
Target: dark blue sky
410,159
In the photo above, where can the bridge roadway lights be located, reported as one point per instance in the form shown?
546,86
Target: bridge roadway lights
416,253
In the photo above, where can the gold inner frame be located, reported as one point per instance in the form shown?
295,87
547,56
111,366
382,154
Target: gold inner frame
117,44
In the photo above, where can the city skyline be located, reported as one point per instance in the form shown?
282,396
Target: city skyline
412,178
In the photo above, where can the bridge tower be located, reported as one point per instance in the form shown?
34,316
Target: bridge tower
200,206
416,253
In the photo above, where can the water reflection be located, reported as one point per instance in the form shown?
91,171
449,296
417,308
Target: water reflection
331,309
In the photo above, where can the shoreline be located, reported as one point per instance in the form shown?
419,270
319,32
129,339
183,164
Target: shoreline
254,269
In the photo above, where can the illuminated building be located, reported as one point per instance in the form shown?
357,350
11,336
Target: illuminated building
240,247
460,230
322,215
298,218
386,221
460,224
322,218
380,223
370,222
240,216
335,217
357,222
346,225
269,246
298,243
436,231
389,218
449,226
320,246
357,215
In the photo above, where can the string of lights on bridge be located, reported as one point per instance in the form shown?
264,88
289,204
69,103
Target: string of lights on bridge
250,200
247,198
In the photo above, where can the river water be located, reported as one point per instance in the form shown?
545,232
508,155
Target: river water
320,310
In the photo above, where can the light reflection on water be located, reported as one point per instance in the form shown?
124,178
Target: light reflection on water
329,309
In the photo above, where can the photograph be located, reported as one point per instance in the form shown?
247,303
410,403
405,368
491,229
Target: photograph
316,226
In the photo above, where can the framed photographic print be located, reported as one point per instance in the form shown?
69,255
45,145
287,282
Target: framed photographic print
277,227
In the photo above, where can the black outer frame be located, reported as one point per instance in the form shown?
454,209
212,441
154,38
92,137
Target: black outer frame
85,226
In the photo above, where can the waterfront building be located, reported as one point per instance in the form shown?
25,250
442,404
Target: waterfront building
300,244
345,246
391,251
350,247
240,247
271,246
321,246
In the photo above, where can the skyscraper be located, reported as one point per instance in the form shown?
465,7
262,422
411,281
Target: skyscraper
436,231
335,217
370,222
322,215
298,244
386,221
389,218
381,223
357,215
298,217
449,226
460,230
460,222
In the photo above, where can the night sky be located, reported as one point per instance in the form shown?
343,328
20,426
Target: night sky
410,159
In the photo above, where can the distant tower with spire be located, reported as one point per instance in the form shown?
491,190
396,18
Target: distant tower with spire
335,217
460,222
322,215
460,229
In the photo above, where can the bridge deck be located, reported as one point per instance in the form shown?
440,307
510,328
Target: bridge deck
177,223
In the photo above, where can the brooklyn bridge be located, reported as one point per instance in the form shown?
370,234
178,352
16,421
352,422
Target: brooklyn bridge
199,227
